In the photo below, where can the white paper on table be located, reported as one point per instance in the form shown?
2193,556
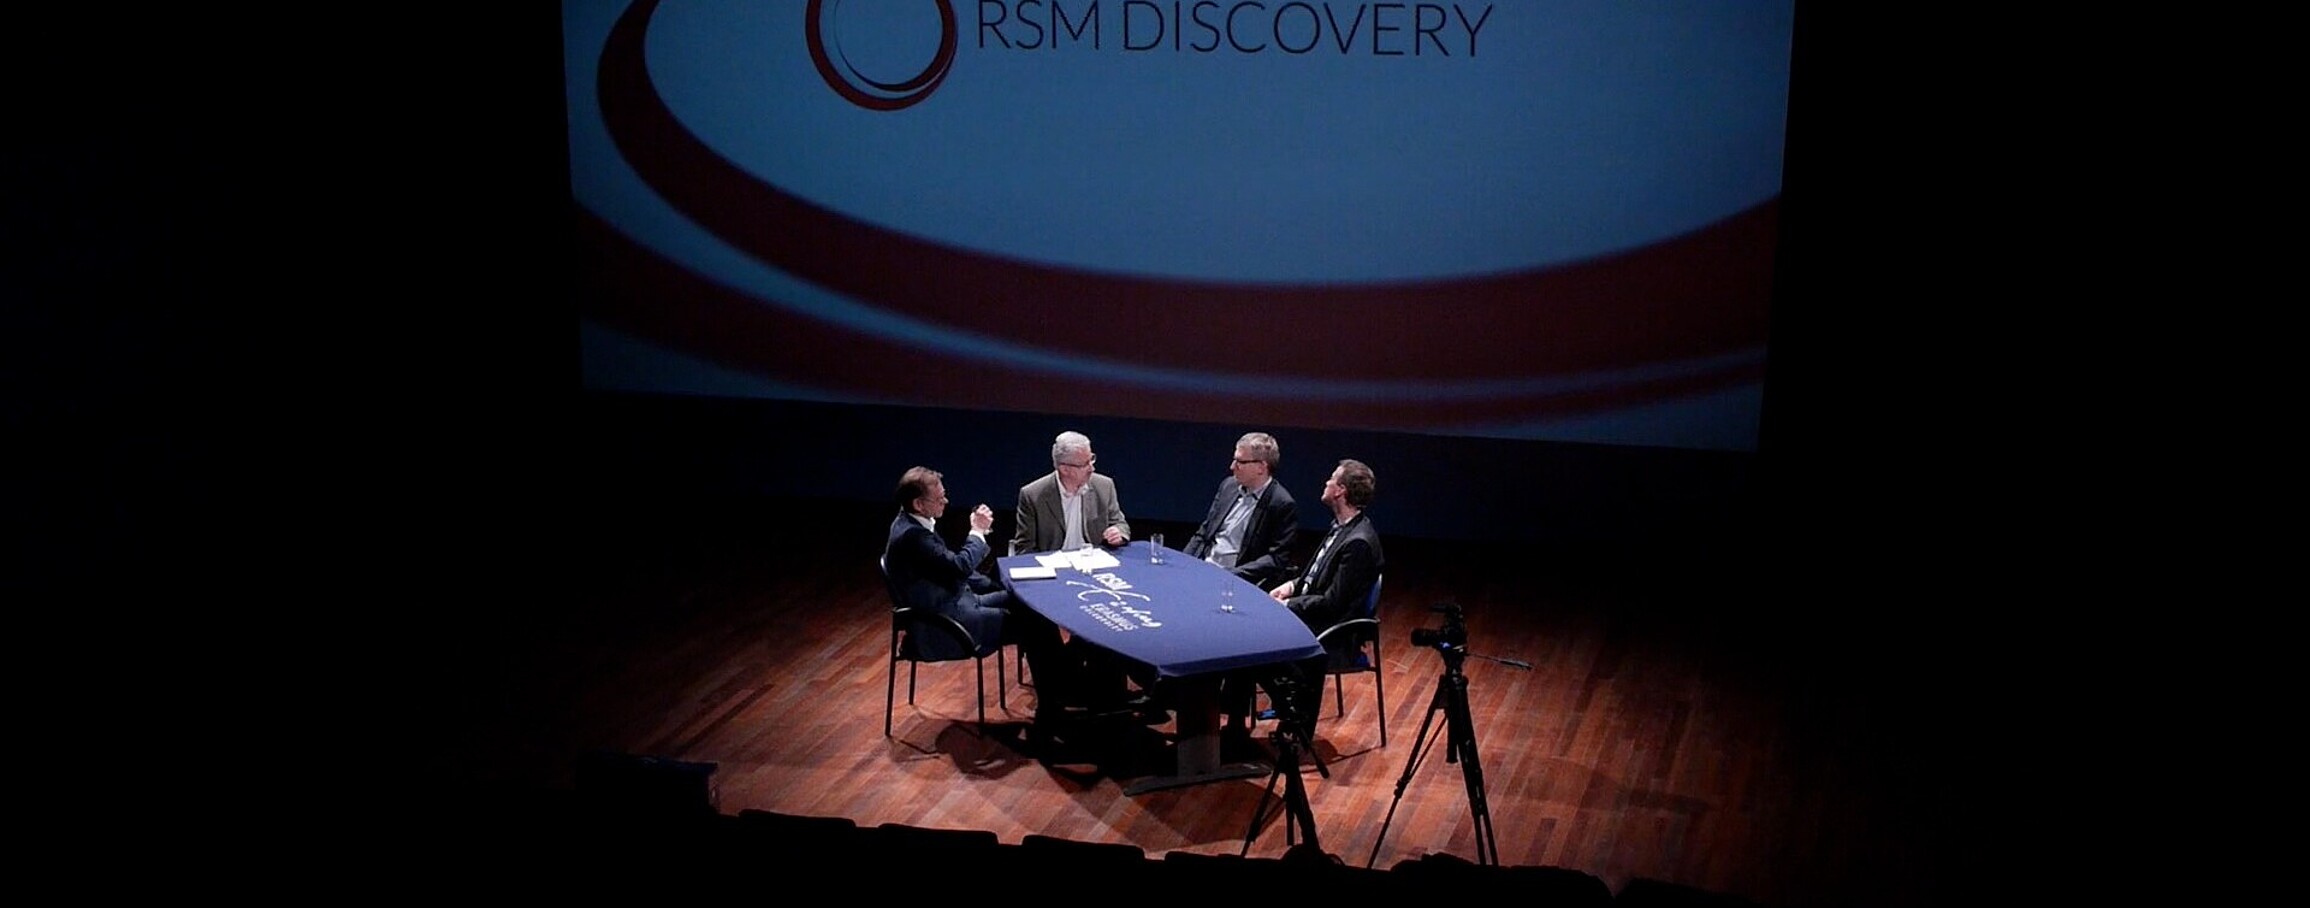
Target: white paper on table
1078,560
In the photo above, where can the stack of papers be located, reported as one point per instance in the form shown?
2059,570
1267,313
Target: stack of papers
1079,559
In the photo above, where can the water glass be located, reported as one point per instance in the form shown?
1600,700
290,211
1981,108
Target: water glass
1155,548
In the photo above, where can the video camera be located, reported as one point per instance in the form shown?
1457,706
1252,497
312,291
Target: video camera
1288,696
1454,633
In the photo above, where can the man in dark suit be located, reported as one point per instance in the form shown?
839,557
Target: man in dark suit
925,572
1338,578
1253,519
1341,573
1073,506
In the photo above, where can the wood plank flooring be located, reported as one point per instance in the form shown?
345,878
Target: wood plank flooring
1682,720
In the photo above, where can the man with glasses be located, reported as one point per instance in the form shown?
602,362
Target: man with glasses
1073,507
1248,530
1252,520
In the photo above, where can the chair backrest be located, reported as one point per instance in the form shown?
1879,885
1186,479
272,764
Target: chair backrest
1371,603
1345,641
906,623
902,638
890,587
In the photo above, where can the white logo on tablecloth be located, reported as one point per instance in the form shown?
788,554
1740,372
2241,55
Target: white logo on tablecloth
1105,604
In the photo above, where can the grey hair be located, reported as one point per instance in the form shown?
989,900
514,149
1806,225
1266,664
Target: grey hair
1066,443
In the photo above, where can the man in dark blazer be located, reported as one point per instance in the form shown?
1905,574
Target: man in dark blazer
1340,574
925,572
1253,519
1073,490
1337,580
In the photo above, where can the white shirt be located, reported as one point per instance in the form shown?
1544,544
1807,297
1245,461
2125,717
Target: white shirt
1071,504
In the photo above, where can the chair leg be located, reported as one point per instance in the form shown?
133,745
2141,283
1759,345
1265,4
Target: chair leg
1339,694
889,695
981,666
890,690
1380,691
1002,685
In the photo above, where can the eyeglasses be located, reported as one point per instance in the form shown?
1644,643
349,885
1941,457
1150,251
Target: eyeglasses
1085,465
1249,462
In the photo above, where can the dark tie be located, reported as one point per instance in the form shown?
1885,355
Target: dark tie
1317,562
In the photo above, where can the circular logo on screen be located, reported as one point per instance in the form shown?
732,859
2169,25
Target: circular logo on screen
881,54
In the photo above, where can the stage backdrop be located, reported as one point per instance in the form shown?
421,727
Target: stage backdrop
1519,220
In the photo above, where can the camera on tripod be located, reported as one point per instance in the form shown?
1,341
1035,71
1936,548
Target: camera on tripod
1451,702
1454,633
1288,697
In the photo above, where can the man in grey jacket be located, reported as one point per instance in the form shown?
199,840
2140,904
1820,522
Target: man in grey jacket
1071,508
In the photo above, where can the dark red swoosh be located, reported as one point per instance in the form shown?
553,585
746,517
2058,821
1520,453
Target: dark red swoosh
637,291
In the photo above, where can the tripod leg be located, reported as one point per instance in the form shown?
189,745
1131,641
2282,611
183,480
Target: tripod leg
1295,801
1462,733
1259,814
1306,734
1293,806
1420,742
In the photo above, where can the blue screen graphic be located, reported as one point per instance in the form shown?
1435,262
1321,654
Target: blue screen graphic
1551,221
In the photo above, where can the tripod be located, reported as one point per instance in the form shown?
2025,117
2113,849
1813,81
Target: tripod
1460,734
1290,737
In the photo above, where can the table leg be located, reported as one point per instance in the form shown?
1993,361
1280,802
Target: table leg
1196,748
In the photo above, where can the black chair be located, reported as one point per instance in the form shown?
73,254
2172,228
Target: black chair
1107,856
936,853
905,623
1354,647
1025,680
